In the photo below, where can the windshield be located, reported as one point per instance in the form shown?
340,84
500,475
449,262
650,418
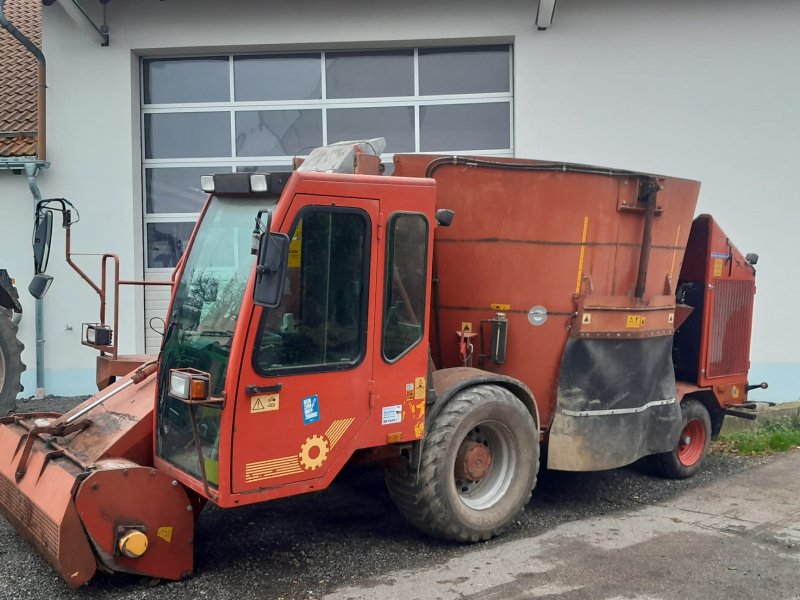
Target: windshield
200,331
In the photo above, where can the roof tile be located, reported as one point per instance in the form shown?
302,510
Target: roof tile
18,77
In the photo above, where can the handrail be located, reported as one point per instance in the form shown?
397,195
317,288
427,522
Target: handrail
102,289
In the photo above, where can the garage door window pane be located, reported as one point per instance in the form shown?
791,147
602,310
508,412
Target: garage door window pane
277,77
473,70
369,74
277,132
174,80
395,123
187,135
166,243
465,127
177,189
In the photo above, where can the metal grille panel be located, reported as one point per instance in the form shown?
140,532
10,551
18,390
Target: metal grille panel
730,328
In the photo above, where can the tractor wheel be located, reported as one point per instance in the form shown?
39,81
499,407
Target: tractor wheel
478,467
687,457
11,366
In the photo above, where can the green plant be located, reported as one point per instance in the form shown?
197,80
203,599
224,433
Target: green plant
780,435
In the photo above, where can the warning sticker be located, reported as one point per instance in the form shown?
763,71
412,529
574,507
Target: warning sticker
310,409
295,247
635,321
165,533
392,414
718,262
466,326
264,403
419,388
409,391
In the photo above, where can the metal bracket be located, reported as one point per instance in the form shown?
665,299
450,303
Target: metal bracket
77,13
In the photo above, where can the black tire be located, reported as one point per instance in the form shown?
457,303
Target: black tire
11,365
686,458
470,511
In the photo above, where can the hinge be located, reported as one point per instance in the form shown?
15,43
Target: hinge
371,393
380,225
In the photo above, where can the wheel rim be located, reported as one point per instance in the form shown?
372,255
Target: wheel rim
692,442
488,490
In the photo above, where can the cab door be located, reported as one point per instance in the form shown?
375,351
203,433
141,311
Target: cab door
306,393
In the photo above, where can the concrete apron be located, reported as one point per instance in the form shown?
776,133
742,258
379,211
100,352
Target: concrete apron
736,538
764,414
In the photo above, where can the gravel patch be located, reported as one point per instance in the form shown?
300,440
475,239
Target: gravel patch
305,546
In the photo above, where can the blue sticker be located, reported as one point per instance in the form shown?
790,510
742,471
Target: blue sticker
311,409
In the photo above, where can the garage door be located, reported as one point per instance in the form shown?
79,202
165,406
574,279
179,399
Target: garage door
255,112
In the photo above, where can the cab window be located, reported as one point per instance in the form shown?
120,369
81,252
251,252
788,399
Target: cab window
405,285
321,321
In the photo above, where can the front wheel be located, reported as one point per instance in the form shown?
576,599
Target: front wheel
479,463
687,457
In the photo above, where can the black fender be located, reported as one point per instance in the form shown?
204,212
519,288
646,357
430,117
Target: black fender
448,382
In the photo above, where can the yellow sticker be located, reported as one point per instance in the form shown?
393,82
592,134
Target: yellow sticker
421,408
500,306
264,403
295,247
635,321
419,429
718,267
165,533
735,392
419,388
466,326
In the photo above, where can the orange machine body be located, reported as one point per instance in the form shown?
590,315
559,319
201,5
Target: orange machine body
583,267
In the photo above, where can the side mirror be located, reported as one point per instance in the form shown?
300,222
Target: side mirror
39,285
42,234
273,256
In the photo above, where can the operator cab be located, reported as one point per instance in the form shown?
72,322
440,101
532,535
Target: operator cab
270,360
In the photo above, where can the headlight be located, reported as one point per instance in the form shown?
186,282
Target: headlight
189,385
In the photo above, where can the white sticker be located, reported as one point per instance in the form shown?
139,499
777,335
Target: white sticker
392,414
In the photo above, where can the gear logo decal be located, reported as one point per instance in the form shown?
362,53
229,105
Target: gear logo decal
313,454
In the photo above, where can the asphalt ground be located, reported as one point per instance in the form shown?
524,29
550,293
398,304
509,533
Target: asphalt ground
307,546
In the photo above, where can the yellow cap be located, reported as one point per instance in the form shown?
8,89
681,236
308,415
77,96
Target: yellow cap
133,544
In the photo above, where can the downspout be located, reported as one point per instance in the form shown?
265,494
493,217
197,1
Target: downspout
32,170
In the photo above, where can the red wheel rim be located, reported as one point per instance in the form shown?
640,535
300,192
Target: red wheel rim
692,442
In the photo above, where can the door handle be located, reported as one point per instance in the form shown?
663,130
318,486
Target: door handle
252,390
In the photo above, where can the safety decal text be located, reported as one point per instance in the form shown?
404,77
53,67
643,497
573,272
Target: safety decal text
264,403
392,414
635,321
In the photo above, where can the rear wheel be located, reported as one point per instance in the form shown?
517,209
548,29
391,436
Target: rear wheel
11,366
687,456
478,467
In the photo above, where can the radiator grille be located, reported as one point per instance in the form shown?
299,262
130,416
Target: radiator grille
729,343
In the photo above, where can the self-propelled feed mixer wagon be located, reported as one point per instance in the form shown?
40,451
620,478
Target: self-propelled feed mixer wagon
443,322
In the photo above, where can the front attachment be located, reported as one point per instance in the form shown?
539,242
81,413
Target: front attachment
138,519
80,488
40,508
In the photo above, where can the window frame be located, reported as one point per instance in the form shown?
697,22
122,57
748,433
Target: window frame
364,312
386,284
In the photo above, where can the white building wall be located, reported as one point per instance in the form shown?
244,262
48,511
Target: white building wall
695,89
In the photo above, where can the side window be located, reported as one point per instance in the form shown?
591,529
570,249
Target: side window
321,321
404,299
